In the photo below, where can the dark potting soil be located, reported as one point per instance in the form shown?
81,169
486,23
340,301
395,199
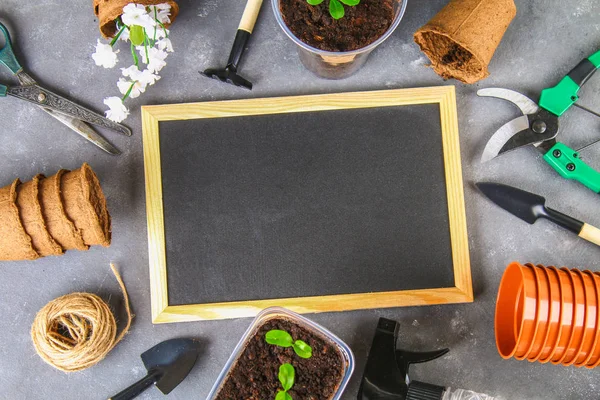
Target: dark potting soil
361,25
456,55
254,375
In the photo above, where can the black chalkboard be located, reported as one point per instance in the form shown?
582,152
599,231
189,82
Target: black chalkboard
305,203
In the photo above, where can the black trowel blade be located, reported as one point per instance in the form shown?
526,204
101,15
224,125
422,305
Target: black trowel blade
174,358
520,203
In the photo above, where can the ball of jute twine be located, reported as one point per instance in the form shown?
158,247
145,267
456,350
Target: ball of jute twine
76,331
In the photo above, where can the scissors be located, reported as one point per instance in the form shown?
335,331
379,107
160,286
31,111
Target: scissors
64,110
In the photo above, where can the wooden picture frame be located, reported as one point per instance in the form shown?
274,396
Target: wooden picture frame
445,96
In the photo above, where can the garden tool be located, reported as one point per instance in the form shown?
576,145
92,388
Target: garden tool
229,73
530,207
386,373
538,126
168,363
69,113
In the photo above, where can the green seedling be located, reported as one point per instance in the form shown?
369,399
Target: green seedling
283,339
287,377
336,9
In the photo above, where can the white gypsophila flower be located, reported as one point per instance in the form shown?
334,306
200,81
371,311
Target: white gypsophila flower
147,77
155,59
104,55
157,32
163,11
117,111
136,14
130,71
165,44
138,88
124,35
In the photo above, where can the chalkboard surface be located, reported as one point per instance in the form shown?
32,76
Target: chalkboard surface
317,203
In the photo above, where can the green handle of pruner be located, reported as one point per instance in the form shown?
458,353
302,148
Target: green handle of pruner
567,163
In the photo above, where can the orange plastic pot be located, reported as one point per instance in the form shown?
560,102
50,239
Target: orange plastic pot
567,315
595,358
554,326
578,321
545,305
540,333
589,320
591,324
516,311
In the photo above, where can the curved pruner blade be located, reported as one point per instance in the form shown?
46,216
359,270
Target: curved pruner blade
502,136
525,104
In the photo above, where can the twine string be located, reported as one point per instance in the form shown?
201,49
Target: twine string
77,330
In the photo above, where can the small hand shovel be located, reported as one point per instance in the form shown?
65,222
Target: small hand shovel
229,73
168,363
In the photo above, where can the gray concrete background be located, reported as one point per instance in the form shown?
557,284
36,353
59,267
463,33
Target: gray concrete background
55,39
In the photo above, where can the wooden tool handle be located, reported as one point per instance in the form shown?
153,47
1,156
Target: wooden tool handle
590,233
250,15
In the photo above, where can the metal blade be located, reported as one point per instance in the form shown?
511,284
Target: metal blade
525,104
43,97
520,203
84,130
503,135
175,358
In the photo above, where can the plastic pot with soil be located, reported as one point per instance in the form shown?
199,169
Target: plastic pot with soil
336,48
284,356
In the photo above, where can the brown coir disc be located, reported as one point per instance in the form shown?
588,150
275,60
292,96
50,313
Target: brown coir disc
15,243
30,211
61,228
85,205
108,11
462,38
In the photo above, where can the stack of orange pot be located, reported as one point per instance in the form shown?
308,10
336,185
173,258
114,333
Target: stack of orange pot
548,314
47,216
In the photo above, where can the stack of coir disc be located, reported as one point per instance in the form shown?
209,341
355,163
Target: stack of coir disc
548,314
47,216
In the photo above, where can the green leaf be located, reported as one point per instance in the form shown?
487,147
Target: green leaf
350,3
287,396
281,395
279,338
314,2
286,376
336,9
136,35
302,349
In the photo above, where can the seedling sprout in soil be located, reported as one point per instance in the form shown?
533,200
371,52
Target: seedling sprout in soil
336,9
287,376
287,373
283,339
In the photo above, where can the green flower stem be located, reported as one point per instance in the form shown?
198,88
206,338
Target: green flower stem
161,24
156,19
146,39
114,40
135,57
129,91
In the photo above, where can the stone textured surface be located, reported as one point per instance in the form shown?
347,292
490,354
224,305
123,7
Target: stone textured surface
54,40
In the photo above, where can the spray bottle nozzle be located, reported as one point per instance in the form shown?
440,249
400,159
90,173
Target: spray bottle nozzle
386,373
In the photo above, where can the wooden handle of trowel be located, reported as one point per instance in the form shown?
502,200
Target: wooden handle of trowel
590,233
250,15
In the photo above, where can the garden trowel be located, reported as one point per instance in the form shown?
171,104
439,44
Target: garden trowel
168,363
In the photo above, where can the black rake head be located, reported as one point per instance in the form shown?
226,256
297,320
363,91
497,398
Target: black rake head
228,75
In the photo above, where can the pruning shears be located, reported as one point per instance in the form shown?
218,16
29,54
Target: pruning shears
538,126
64,110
